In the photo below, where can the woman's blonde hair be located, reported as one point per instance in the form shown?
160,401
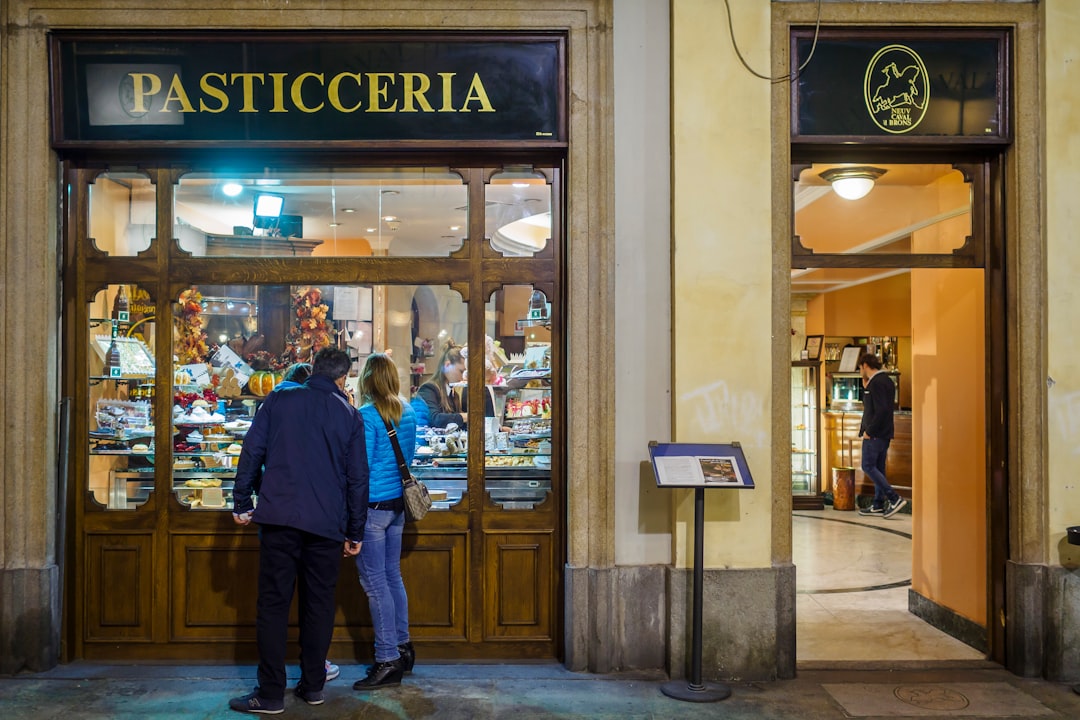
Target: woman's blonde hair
379,385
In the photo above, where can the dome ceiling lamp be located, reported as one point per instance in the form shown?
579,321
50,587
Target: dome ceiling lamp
852,183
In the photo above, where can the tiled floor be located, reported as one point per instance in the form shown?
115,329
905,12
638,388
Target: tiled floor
853,577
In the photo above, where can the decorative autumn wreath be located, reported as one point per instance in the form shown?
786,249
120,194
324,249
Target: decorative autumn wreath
190,345
310,330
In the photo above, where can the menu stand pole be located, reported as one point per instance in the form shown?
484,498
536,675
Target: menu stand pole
695,690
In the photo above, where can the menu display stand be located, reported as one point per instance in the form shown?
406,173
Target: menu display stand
698,466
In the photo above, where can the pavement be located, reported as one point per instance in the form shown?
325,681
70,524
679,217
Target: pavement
535,691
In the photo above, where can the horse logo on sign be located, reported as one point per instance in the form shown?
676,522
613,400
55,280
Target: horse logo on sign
896,89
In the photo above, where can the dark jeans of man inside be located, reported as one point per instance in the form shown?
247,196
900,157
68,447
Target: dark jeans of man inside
874,451
291,558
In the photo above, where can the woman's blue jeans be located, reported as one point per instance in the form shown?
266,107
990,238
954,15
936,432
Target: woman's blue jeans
874,451
379,563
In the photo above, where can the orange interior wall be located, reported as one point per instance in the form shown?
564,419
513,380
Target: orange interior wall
882,307
949,447
350,247
879,308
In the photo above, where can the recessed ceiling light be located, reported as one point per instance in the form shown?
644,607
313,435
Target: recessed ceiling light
348,210
455,227
390,192
335,224
232,189
389,218
372,229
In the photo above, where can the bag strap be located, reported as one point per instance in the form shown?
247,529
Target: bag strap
402,467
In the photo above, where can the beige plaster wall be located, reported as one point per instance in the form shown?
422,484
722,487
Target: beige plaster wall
642,281
722,269
1060,181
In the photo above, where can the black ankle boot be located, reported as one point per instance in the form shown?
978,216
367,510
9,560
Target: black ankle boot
408,656
382,674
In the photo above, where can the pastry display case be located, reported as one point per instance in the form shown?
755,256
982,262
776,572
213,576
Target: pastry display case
517,442
805,435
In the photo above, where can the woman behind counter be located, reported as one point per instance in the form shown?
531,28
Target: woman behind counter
379,562
436,404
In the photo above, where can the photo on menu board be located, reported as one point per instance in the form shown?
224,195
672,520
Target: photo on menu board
696,470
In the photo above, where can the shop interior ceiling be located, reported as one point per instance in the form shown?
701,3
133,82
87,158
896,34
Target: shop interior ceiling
889,198
419,213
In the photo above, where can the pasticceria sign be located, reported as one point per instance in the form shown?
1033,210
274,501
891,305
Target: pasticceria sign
297,88
905,85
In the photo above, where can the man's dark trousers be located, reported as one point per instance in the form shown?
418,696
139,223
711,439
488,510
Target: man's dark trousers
289,557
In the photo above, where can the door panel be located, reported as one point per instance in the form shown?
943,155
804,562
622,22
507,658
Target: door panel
517,585
119,571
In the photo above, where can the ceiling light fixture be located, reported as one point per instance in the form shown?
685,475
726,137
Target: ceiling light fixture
232,189
852,183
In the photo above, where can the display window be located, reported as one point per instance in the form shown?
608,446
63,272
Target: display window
120,397
122,218
518,213
405,212
234,342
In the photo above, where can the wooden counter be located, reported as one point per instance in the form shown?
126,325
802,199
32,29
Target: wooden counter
843,448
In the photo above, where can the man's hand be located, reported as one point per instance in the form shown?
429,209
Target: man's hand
352,549
242,518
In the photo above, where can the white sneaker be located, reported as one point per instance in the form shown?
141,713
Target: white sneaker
332,670
895,507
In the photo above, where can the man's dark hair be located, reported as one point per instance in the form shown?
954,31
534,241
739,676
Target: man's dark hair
331,362
298,373
870,360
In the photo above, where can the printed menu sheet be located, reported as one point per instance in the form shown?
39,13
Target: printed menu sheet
699,465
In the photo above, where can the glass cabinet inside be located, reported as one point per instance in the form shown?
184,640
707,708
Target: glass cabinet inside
805,465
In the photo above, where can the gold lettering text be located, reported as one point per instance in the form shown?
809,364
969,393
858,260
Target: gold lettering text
176,93
477,94
335,97
416,84
218,93
297,97
447,97
277,81
141,91
247,81
377,89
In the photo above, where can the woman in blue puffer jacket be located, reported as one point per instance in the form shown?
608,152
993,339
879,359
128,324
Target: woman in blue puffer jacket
379,561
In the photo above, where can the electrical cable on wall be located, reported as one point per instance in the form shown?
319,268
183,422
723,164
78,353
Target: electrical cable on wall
781,78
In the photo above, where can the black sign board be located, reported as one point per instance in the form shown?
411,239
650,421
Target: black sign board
907,86
286,88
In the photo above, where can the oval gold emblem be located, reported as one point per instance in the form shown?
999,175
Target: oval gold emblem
896,89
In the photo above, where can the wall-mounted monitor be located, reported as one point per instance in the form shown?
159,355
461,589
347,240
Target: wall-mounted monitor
291,226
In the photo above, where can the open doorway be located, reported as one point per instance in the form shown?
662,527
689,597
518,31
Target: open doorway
900,272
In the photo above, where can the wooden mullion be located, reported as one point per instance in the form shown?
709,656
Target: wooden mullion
883,260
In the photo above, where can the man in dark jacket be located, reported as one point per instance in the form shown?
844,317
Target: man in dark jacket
306,449
876,431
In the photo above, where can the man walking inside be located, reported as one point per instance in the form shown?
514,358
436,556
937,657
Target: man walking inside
876,431
304,456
